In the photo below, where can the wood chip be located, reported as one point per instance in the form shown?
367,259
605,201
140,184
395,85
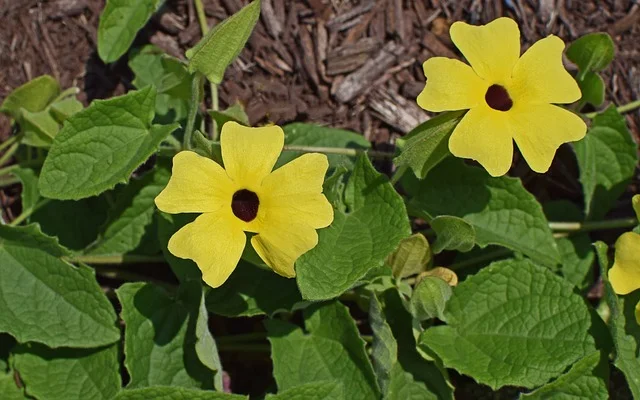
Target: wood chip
271,21
346,20
360,80
395,110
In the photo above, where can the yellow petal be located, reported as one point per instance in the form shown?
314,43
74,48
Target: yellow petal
492,49
451,85
214,242
198,184
635,201
484,135
539,129
249,154
625,273
540,77
295,190
281,241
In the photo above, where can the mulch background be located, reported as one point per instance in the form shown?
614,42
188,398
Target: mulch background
345,63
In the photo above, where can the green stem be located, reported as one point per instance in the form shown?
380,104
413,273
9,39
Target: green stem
622,109
129,276
4,182
397,175
9,169
196,84
341,151
115,259
482,258
204,27
593,225
27,213
214,107
9,153
10,141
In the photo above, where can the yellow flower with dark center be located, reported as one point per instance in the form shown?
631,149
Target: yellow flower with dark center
625,273
508,97
284,207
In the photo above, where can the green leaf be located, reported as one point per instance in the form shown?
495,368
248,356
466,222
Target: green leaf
33,96
152,66
300,134
47,300
132,214
429,298
311,391
513,323
622,324
587,379
411,257
500,209
234,112
607,158
576,250
39,128
592,52
158,345
174,393
76,224
412,373
452,233
69,373
120,21
101,146
206,348
251,291
356,241
9,389
384,348
63,109
332,351
428,143
217,50
592,88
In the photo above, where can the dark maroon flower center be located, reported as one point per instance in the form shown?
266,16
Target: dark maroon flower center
245,205
498,98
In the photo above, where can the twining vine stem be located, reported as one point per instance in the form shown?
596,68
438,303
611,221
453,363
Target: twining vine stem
204,27
196,86
621,109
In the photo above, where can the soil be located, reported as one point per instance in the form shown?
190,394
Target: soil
344,63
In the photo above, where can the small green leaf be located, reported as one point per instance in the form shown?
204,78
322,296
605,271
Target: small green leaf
47,300
311,391
384,348
587,379
607,158
169,75
356,241
332,351
158,345
131,215
493,336
429,298
120,21
174,393
206,348
217,50
33,96
428,143
622,324
69,373
234,112
101,146
39,128
411,257
63,109
500,209
300,134
452,233
592,52
592,88
30,194
253,291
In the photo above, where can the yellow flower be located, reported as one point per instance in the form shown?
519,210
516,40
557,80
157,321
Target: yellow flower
284,207
635,201
625,273
508,97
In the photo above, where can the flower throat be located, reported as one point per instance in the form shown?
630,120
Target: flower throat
498,98
244,205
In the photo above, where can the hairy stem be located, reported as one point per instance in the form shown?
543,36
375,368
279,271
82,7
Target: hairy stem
27,213
115,259
621,109
196,86
588,226
204,27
